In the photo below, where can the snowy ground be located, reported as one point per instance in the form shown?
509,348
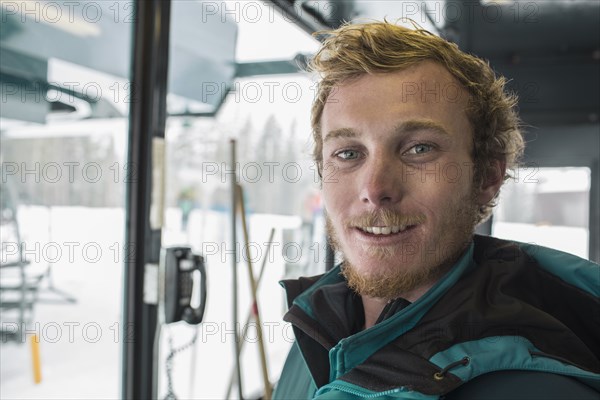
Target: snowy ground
80,350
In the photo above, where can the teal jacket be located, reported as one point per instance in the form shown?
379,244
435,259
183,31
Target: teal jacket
504,306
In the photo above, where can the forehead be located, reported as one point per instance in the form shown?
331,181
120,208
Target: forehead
425,91
426,81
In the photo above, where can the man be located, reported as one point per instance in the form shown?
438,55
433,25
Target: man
413,139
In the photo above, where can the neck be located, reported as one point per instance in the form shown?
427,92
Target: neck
374,306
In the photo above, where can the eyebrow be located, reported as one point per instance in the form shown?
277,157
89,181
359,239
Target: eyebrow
421,125
340,133
402,128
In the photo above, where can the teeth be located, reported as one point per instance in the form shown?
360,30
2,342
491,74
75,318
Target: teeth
384,230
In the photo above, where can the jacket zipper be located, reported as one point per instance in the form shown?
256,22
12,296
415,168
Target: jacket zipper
355,392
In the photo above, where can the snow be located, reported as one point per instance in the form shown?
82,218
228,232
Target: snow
80,348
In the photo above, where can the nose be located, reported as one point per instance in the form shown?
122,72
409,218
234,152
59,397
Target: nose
380,182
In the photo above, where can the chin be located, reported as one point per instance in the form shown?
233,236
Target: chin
387,281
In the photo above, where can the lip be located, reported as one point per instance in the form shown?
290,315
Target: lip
384,240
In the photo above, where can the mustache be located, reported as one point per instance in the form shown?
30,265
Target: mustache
385,217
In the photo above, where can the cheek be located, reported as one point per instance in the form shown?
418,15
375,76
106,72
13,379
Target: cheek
434,195
336,197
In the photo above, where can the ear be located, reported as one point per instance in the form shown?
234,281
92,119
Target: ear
494,180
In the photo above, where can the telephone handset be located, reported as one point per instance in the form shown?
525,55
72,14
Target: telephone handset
177,268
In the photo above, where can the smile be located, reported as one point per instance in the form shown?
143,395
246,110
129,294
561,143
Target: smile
384,230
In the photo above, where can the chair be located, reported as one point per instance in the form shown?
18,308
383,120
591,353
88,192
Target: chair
19,282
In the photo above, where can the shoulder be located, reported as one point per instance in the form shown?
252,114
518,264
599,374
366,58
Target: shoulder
570,269
295,381
530,385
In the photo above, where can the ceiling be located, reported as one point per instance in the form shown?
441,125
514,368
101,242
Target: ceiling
67,55
550,50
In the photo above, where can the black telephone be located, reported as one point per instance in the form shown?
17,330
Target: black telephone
177,267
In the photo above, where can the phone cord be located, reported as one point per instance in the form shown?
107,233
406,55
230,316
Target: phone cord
169,363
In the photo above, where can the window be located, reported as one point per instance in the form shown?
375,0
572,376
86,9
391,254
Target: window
548,207
64,79
269,117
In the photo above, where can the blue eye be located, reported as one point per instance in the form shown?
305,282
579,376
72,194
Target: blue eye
348,154
420,148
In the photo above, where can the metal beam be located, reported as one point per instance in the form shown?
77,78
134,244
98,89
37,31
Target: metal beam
279,67
142,245
310,23
594,230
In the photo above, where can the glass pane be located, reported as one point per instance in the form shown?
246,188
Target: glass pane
268,116
548,207
64,74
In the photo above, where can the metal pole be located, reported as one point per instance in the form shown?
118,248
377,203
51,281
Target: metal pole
150,57
250,313
234,268
255,308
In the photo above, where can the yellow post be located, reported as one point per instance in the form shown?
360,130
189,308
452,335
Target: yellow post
35,356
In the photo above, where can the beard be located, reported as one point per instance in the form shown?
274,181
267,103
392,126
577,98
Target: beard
391,282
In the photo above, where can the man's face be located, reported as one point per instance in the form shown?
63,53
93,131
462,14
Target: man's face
397,177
